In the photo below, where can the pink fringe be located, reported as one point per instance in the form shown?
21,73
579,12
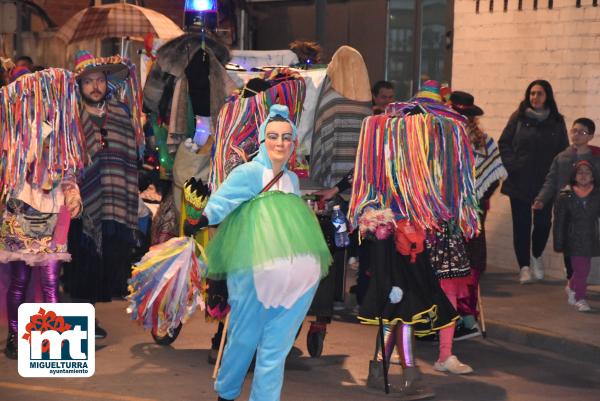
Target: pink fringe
34,259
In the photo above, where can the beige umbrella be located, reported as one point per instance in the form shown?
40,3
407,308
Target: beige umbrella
117,21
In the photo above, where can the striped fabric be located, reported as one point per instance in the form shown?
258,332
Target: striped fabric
488,167
117,20
335,139
109,185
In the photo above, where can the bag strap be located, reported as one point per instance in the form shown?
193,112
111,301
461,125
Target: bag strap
272,182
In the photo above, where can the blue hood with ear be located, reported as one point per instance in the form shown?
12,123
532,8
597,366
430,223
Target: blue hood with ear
276,110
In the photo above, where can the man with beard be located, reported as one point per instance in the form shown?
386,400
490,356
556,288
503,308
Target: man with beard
109,185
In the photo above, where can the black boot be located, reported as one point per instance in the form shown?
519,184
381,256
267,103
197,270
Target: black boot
11,351
222,399
100,332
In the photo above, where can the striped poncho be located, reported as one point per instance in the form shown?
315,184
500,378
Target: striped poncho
109,185
488,166
335,139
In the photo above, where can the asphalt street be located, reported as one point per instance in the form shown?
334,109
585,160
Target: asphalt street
130,367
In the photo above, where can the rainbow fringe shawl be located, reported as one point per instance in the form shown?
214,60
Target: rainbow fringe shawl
165,286
419,165
44,97
240,118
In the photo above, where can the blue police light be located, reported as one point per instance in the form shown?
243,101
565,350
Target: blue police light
201,5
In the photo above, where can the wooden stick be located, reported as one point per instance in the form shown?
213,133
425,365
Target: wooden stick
481,316
221,346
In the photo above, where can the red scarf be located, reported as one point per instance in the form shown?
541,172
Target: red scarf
581,191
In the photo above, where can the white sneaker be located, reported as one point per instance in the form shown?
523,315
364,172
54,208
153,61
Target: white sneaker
583,306
525,275
537,266
452,365
570,295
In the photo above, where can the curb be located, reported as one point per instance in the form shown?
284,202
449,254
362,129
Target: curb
542,340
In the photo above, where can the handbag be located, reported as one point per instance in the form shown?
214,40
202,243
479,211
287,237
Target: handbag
37,225
447,253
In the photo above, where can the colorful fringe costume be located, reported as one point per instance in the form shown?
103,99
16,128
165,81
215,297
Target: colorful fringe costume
415,160
240,118
419,165
41,150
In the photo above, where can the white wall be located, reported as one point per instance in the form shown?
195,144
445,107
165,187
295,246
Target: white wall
495,57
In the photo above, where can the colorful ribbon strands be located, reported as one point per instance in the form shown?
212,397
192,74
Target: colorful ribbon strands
417,161
165,286
40,139
239,120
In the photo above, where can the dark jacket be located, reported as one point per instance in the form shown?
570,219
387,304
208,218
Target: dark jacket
560,172
575,226
527,148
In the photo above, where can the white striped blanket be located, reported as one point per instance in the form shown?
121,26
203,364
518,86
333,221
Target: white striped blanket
488,166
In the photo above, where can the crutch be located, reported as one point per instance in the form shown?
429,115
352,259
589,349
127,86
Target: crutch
481,316
221,346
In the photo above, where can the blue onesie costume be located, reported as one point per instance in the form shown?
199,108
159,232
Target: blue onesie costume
270,248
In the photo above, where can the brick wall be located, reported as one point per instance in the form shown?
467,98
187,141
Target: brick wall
496,55
61,10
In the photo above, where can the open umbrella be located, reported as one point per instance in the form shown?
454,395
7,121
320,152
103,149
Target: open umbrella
117,21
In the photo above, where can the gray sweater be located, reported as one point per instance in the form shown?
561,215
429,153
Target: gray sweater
560,172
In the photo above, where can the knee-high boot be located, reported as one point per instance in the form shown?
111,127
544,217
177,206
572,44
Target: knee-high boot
20,275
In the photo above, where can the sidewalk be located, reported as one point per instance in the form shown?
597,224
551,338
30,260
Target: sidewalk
537,315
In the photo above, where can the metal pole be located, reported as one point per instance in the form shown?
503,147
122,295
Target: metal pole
417,46
243,28
18,40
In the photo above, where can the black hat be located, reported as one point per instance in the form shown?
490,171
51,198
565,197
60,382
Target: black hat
464,103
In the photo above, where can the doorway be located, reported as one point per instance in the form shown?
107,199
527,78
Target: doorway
419,44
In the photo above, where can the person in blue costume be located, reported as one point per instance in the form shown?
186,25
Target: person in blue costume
270,249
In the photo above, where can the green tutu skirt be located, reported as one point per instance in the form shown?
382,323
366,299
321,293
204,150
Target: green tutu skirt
273,225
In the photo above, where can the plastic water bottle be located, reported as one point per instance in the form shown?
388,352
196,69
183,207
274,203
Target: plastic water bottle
341,231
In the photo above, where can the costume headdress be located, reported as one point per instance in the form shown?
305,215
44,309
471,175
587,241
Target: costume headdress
416,159
39,120
349,75
429,91
237,129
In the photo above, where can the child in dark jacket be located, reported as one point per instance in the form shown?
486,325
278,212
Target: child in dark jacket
576,231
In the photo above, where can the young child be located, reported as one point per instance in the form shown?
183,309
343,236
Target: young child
581,133
576,229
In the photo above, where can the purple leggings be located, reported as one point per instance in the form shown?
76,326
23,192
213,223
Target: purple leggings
581,269
20,276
